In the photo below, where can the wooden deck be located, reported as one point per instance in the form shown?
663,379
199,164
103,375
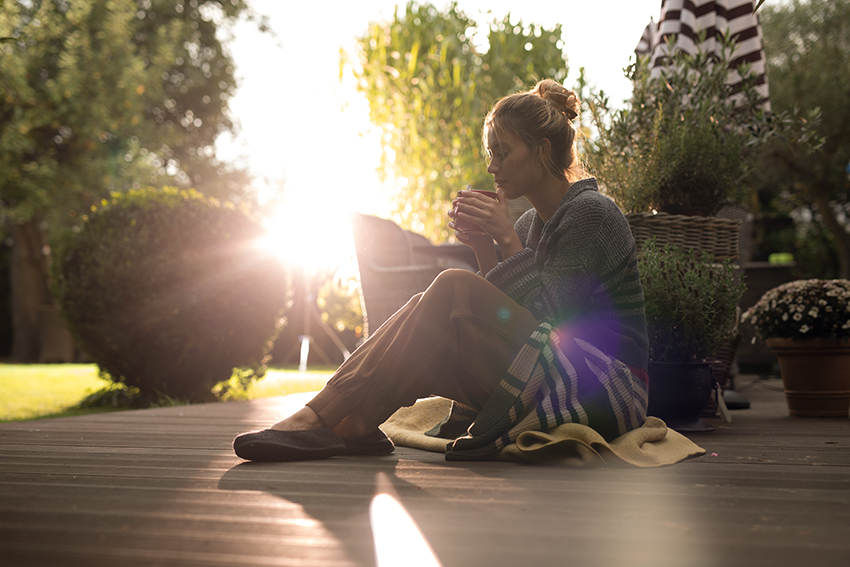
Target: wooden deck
162,487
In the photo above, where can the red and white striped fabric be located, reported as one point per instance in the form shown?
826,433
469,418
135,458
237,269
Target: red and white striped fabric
685,19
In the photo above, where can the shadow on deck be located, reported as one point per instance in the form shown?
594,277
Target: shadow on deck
163,487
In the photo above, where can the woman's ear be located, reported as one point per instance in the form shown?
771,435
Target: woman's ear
544,150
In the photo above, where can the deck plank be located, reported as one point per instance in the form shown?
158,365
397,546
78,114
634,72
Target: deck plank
163,487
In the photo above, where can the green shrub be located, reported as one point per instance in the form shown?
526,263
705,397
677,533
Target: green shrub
685,142
169,292
691,302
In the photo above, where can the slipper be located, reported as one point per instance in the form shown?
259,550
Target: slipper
274,445
375,443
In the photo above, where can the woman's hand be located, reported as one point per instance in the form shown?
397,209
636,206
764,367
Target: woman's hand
490,214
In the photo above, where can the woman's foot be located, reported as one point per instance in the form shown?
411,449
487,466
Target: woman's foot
302,420
352,427
355,426
290,445
375,443
362,436
303,435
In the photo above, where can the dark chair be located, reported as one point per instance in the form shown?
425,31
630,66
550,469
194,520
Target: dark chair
395,264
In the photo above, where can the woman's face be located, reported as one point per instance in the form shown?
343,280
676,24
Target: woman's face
511,165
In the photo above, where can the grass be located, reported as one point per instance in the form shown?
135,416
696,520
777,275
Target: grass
39,391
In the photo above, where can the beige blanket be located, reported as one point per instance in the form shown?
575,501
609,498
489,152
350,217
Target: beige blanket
652,445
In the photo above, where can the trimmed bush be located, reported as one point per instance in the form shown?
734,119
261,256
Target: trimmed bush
169,292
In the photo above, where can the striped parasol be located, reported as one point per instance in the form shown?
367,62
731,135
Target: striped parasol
683,20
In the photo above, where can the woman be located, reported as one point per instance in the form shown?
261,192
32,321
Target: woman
553,333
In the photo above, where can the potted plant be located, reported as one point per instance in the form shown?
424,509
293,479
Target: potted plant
685,141
679,157
807,325
691,309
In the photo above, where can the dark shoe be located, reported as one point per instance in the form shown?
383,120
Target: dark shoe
274,445
375,443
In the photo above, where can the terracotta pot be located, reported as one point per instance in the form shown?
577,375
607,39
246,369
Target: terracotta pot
678,392
816,375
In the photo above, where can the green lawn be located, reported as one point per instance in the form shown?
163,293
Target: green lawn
37,391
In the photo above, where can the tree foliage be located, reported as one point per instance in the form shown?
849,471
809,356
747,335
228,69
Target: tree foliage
807,44
106,94
6,38
103,96
429,84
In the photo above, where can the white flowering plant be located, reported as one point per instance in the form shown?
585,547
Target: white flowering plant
802,309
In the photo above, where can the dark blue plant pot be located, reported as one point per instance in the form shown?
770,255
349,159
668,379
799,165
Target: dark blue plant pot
678,392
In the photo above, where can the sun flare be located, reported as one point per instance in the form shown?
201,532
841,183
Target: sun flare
329,162
307,240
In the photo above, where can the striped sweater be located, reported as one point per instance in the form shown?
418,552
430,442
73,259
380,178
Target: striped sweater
578,275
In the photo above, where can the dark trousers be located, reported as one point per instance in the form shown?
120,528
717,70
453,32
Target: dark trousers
455,340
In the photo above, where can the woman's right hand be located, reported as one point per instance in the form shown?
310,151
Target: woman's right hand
491,215
473,239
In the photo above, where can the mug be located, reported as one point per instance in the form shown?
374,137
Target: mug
467,226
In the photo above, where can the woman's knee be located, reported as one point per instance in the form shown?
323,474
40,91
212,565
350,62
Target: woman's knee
448,286
452,277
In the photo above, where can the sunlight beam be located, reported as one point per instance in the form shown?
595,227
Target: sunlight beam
398,540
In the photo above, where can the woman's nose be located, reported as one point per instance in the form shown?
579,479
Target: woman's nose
492,168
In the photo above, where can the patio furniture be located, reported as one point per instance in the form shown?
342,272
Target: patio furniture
395,264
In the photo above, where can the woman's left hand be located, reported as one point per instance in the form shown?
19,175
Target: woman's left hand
488,213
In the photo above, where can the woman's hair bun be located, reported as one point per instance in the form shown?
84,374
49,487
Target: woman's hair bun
562,98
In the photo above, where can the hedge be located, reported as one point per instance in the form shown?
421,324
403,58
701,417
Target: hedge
168,291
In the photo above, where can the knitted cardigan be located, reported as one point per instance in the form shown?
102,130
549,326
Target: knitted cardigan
578,275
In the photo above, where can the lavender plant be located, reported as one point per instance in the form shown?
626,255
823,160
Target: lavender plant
691,302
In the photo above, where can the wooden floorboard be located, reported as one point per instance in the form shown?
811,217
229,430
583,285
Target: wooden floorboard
162,487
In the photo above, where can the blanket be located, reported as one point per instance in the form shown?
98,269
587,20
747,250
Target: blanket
572,444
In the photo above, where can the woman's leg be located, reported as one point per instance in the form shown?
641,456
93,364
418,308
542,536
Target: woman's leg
455,340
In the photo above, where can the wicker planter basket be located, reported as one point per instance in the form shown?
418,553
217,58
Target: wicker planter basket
714,235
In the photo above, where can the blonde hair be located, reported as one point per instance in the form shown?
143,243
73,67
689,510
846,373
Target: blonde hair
546,112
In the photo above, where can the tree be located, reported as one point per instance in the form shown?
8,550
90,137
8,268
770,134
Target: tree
103,96
429,87
807,44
